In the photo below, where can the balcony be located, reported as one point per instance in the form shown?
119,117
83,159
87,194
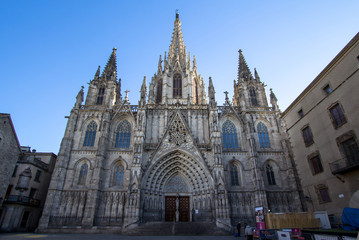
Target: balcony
17,199
344,165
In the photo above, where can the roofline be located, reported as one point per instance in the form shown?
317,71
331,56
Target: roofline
13,128
324,72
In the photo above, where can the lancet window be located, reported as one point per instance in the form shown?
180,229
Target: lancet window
196,92
117,179
90,134
123,135
100,96
253,96
234,175
177,85
229,135
263,135
83,174
159,91
270,175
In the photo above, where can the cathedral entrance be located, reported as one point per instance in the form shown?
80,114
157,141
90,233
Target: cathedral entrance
177,209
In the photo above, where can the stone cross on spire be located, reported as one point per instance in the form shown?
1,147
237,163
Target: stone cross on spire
226,92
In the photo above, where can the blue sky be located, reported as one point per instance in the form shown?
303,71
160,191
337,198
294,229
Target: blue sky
49,49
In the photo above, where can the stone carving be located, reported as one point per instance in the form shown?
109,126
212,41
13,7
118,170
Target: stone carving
176,184
177,132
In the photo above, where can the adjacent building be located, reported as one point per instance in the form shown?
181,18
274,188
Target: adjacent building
323,126
176,156
9,153
27,190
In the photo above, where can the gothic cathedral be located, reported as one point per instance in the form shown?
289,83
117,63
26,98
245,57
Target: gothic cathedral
176,156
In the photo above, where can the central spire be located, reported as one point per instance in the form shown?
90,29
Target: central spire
177,49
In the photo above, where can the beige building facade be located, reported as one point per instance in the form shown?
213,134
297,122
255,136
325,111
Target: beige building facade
9,153
323,126
26,191
175,157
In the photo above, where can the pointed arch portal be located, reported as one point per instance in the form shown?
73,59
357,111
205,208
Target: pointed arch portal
177,187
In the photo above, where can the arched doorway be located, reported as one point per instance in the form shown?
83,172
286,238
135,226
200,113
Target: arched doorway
177,188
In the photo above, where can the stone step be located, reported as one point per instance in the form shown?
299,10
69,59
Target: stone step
176,228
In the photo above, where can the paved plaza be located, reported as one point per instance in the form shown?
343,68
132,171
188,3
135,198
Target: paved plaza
26,236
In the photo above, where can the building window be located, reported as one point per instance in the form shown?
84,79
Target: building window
229,134
315,164
24,219
37,176
15,170
83,174
90,134
270,175
234,175
177,85
300,113
323,193
123,135
32,193
337,115
118,176
350,150
307,136
253,96
100,96
327,89
263,135
159,91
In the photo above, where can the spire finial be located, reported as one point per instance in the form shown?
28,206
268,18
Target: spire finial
177,14
126,97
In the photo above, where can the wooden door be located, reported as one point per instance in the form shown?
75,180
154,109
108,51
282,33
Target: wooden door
184,209
170,214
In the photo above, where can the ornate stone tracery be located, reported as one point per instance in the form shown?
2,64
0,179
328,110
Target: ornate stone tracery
178,131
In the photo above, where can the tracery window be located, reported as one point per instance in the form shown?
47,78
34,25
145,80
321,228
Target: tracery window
90,134
159,91
229,134
83,174
234,175
100,96
253,96
123,135
270,175
263,135
118,175
177,85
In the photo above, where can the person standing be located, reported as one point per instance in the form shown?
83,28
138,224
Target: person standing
248,232
239,229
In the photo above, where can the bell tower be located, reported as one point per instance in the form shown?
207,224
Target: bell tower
249,91
177,80
104,89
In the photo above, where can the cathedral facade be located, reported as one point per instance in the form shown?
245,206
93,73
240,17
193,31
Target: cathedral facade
176,156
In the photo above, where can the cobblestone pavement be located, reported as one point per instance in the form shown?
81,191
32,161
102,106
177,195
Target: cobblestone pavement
27,236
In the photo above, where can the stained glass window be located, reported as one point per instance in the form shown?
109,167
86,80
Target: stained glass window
123,135
270,175
90,134
177,85
229,134
83,174
118,176
263,135
234,175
